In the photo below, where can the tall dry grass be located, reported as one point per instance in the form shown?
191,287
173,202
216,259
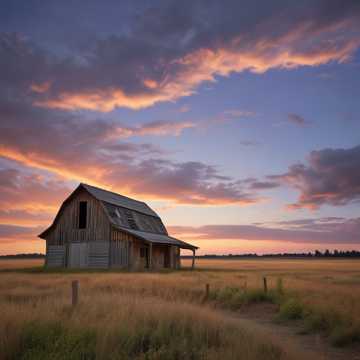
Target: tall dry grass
120,316
323,293
323,283
130,315
20,263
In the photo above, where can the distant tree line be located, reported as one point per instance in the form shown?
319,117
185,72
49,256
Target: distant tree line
316,254
23,256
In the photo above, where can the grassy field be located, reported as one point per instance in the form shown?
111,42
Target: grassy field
165,316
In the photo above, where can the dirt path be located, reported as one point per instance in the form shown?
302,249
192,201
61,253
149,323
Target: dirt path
295,345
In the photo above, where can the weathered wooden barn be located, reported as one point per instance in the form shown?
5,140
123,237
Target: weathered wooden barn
96,228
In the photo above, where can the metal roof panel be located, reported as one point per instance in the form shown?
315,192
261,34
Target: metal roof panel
158,238
119,200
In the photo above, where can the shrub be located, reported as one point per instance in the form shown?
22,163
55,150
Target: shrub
226,294
339,328
291,309
258,296
235,297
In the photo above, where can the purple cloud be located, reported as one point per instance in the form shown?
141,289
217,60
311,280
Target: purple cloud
340,232
9,233
297,119
331,177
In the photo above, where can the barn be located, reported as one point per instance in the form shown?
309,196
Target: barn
96,228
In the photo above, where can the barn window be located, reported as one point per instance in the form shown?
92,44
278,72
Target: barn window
142,252
82,214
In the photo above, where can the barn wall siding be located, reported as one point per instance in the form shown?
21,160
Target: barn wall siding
66,229
66,233
55,256
126,252
121,249
158,256
138,262
98,254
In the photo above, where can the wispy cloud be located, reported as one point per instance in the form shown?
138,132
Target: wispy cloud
184,108
10,233
28,197
239,113
159,128
315,231
249,143
92,152
297,119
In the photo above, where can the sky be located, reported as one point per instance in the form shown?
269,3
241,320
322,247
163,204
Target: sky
237,121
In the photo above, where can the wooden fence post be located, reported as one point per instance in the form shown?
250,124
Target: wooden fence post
265,285
207,291
74,292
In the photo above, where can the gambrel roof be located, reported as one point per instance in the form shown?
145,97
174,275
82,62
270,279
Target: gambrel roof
119,200
128,215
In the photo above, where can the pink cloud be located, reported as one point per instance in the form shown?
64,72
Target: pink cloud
339,232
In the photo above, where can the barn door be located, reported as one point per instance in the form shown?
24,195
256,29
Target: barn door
77,255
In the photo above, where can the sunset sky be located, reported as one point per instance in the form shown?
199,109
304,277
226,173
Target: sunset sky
237,121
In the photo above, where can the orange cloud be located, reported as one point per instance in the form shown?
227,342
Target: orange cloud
183,183
28,197
99,100
46,162
151,84
198,67
301,46
159,128
40,87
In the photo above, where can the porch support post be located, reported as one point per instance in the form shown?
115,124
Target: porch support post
178,264
170,254
47,253
193,259
131,254
150,255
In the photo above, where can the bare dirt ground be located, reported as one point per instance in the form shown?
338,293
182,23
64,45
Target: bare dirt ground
259,319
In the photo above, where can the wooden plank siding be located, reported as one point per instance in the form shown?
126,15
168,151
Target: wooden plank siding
120,251
67,230
55,256
126,252
98,254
